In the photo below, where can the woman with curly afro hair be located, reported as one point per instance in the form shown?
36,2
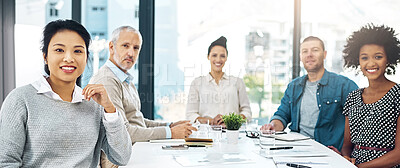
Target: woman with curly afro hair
372,127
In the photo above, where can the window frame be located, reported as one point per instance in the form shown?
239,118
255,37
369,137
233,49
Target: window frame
7,58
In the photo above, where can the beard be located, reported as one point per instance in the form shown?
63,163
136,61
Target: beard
121,63
314,68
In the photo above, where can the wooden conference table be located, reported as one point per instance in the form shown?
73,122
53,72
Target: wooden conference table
247,153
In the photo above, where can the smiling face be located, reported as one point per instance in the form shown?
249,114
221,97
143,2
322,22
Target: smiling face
125,51
312,55
373,61
217,57
66,56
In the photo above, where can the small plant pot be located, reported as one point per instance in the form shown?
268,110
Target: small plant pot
232,136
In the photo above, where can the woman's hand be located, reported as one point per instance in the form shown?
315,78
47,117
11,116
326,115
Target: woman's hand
217,120
352,160
335,150
205,120
99,94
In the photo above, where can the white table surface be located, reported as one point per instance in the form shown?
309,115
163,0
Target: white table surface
146,154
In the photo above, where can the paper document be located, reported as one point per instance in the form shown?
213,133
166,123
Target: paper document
266,144
211,159
320,162
306,161
291,136
295,152
168,141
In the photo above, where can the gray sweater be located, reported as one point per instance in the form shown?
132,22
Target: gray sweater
37,131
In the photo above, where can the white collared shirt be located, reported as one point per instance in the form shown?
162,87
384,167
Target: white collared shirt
43,87
207,98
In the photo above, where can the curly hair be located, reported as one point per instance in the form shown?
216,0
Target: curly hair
371,34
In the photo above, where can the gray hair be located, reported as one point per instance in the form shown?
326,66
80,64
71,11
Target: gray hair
116,32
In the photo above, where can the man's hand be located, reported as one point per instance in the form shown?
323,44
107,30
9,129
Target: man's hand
273,125
99,94
182,131
178,122
269,126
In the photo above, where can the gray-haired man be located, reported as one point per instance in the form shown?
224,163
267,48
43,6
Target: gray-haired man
124,51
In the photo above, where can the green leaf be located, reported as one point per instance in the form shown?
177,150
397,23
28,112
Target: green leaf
233,121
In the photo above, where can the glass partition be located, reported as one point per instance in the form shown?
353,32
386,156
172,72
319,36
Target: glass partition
335,21
259,35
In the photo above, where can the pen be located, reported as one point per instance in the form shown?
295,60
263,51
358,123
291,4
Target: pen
196,145
283,147
280,132
296,165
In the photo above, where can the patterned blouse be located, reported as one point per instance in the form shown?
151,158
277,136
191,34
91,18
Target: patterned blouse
372,125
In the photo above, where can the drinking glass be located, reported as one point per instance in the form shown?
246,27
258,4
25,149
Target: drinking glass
202,131
216,133
252,125
267,138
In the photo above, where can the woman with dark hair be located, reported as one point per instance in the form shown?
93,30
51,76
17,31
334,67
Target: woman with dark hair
372,127
217,94
53,122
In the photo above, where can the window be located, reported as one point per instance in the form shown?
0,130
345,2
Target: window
257,31
31,17
137,12
96,21
334,26
53,10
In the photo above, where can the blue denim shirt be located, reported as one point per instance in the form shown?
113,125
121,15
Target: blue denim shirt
331,95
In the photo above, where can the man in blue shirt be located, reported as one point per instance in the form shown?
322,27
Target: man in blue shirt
313,103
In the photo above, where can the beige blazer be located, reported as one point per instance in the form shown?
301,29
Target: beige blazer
126,99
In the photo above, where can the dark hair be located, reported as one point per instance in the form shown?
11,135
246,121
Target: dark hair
313,38
370,34
59,25
221,42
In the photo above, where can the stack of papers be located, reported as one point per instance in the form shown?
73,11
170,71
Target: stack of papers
198,140
207,144
291,136
268,144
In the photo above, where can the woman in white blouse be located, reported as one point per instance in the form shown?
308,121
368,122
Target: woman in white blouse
55,123
217,94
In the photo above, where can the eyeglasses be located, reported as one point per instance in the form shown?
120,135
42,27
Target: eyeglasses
252,134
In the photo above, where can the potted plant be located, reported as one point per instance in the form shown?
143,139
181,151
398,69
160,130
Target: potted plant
233,122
